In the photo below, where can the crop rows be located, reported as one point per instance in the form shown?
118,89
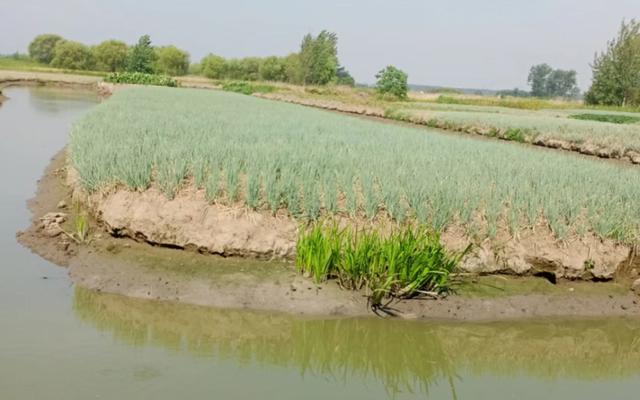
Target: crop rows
541,124
275,155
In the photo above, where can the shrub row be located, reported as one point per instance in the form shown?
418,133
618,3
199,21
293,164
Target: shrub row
139,78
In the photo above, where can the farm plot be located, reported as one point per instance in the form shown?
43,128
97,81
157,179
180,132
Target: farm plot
272,156
617,134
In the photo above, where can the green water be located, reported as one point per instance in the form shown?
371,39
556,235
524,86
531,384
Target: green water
58,341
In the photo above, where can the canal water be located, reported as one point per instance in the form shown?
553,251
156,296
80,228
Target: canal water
58,341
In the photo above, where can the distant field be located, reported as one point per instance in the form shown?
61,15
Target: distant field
273,155
534,125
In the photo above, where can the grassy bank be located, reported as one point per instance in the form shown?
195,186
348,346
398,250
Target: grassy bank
27,65
312,163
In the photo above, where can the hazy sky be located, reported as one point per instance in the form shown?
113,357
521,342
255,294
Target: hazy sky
462,43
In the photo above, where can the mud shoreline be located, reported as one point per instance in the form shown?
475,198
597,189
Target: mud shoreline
136,269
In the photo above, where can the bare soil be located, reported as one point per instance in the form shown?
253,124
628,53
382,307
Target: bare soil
128,267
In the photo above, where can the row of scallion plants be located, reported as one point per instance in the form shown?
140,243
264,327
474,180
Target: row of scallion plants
404,263
308,163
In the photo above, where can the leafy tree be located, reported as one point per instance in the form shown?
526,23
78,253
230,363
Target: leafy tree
42,47
213,66
111,55
392,81
319,58
273,69
172,61
293,69
538,76
561,83
548,82
616,71
234,69
250,68
72,55
142,57
343,77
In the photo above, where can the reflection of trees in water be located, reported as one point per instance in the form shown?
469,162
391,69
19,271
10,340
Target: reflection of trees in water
405,356
56,99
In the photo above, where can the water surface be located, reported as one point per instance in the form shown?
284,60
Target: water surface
58,341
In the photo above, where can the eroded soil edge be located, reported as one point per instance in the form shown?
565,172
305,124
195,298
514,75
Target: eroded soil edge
136,269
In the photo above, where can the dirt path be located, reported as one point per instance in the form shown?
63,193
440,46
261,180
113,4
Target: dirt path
127,267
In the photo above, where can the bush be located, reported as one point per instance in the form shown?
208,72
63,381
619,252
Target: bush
213,66
42,47
273,69
246,87
172,61
139,78
111,55
392,81
72,55
612,118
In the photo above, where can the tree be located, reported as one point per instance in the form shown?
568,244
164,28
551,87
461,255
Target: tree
548,82
343,77
537,79
111,55
293,69
392,81
616,71
42,47
250,68
273,69
142,57
319,58
172,61
561,83
72,55
213,66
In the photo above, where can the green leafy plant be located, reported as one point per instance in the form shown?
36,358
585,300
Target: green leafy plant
139,78
406,263
247,87
392,81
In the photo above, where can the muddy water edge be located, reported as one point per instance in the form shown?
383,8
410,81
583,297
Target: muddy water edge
59,340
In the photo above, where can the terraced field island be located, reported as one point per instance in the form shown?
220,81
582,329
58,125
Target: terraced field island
231,174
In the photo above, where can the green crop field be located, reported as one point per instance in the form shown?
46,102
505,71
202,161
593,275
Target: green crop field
605,132
273,155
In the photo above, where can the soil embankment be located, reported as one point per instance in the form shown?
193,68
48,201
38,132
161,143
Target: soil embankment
133,268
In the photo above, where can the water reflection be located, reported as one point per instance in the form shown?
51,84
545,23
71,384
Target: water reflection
404,356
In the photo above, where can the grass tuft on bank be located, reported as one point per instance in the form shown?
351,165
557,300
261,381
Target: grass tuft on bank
407,262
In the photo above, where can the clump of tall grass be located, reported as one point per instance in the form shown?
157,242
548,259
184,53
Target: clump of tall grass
407,262
247,88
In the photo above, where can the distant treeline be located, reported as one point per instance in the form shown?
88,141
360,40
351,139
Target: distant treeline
316,63
109,56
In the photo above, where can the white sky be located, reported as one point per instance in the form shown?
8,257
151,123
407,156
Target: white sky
459,43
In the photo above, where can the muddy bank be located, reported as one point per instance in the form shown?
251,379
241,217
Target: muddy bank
583,148
136,269
189,221
18,78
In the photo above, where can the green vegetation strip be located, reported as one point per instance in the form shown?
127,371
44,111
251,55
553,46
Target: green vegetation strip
407,262
612,118
273,155
139,78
